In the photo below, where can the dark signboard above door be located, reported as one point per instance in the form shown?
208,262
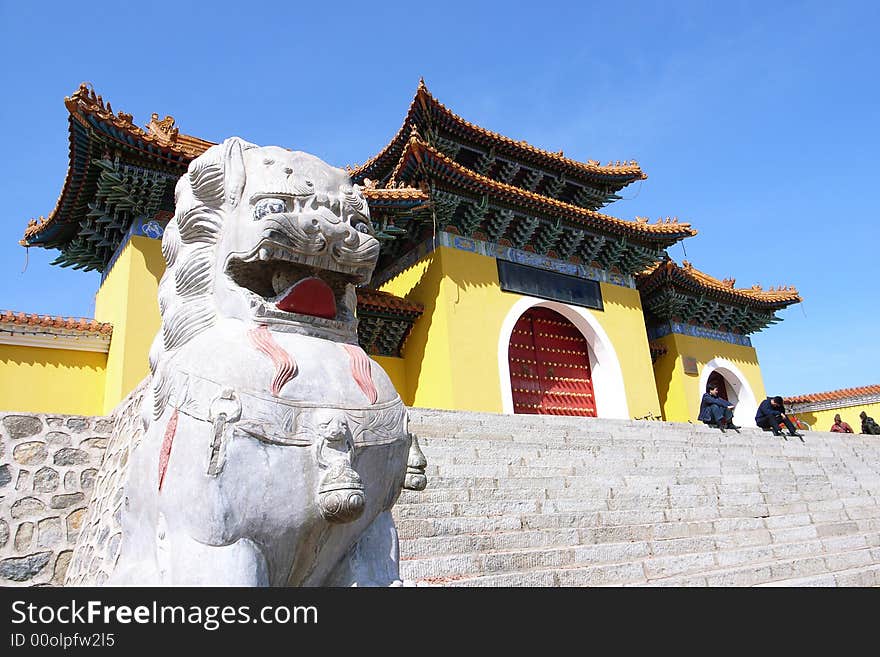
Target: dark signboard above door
543,284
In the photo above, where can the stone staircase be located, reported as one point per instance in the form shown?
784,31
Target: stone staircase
561,501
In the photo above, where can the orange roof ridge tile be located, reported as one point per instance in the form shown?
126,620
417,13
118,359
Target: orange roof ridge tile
82,324
396,193
424,98
833,395
419,148
160,133
781,294
591,165
85,102
756,291
387,301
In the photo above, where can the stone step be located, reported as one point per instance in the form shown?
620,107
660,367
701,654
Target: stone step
772,494
437,418
810,569
795,455
765,483
673,557
632,565
663,537
868,575
747,504
667,524
627,457
549,501
470,489
747,440
633,574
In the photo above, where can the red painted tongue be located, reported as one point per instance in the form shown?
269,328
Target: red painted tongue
311,296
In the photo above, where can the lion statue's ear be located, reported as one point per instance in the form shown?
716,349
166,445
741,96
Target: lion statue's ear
218,174
233,161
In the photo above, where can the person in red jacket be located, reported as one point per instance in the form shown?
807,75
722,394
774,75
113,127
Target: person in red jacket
840,426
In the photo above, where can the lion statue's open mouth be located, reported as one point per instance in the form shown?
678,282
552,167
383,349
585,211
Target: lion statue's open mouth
291,271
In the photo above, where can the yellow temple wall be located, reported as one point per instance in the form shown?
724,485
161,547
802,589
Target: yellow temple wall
452,354
44,380
822,420
395,368
680,393
426,348
624,321
128,299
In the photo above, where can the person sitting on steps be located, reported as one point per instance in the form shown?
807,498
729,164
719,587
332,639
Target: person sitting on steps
716,411
840,426
869,426
771,413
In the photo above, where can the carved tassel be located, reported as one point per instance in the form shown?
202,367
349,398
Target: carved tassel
285,365
165,452
361,372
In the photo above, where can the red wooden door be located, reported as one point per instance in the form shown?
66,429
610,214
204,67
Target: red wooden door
549,366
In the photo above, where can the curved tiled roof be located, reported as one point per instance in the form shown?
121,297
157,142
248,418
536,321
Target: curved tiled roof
88,109
655,275
834,395
379,196
386,302
162,134
423,99
162,140
19,320
422,152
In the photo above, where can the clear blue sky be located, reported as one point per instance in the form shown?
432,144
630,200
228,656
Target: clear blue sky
757,122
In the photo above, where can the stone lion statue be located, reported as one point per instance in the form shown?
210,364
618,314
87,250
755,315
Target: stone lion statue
265,448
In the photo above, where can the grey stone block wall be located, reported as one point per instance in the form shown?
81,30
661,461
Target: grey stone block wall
48,465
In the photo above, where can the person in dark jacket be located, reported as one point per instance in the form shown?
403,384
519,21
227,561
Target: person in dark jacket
716,411
868,425
771,413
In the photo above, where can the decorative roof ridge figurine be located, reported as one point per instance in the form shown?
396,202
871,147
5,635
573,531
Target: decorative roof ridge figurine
265,448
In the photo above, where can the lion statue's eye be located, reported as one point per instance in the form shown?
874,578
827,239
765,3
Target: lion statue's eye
361,227
267,206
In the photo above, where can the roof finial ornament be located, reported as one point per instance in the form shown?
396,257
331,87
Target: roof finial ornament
165,129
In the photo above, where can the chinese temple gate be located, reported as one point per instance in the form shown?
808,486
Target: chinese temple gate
503,283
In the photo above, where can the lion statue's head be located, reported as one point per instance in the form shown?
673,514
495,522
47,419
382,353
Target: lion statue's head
264,235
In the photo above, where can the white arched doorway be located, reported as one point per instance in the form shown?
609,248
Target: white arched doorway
739,392
607,377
